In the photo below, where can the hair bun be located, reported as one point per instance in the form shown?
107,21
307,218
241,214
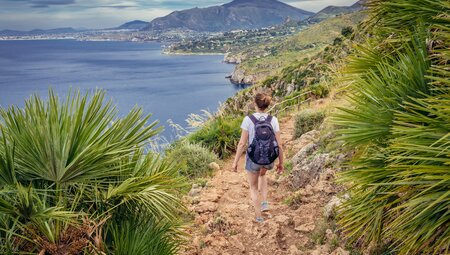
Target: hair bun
263,100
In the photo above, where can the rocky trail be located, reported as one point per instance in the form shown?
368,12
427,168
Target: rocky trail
301,203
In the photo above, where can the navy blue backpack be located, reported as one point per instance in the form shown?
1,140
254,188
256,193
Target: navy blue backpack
264,148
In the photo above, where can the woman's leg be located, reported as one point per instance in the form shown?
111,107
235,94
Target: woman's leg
253,183
263,184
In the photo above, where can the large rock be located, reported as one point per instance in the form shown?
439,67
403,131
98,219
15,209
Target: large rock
307,170
203,207
232,58
283,219
304,153
309,227
214,166
304,141
329,208
195,190
240,77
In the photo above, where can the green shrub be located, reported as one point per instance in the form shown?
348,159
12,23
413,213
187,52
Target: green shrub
337,41
397,120
320,90
307,120
269,81
142,236
347,31
193,159
68,165
221,135
294,200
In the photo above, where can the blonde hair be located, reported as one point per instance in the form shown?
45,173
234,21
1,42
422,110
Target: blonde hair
262,100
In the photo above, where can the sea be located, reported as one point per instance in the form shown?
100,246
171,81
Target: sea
170,87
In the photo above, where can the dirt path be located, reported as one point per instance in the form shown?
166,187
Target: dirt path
224,217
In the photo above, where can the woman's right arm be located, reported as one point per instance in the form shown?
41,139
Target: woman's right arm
240,148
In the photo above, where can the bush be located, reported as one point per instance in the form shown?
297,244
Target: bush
269,81
347,31
320,90
307,120
397,122
193,159
220,134
143,236
69,167
337,41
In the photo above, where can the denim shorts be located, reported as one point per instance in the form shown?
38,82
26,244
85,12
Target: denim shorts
253,167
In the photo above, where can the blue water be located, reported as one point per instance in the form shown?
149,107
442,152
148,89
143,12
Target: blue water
169,87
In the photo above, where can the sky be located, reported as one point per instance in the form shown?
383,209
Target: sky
46,14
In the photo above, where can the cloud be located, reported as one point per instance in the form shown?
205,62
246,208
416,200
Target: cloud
30,14
40,3
82,18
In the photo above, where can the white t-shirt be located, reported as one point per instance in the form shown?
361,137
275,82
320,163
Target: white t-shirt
247,124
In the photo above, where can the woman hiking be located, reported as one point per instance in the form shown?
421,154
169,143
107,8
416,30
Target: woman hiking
262,132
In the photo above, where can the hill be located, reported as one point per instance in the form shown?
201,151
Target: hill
134,25
238,14
333,11
54,31
262,60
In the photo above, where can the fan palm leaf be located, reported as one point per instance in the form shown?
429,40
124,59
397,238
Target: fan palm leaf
398,122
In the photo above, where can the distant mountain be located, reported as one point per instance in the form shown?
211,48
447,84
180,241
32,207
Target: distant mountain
238,14
333,11
62,30
134,25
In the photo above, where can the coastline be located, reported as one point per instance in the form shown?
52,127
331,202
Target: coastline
193,53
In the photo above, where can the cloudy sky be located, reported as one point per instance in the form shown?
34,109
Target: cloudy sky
30,14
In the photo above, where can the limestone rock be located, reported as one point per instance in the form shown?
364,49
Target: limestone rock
283,219
303,153
331,205
305,228
307,171
214,166
195,190
203,207
340,251
330,235
240,77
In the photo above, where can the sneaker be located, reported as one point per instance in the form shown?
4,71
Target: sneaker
259,219
264,206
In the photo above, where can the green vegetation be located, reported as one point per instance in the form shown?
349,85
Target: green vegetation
270,59
193,159
220,134
143,236
398,119
294,200
74,179
238,40
307,120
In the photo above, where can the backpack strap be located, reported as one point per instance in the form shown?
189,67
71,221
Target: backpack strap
253,118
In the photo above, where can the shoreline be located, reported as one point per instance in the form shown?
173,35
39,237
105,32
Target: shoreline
193,54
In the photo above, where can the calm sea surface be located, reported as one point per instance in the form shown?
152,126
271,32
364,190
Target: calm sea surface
170,87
